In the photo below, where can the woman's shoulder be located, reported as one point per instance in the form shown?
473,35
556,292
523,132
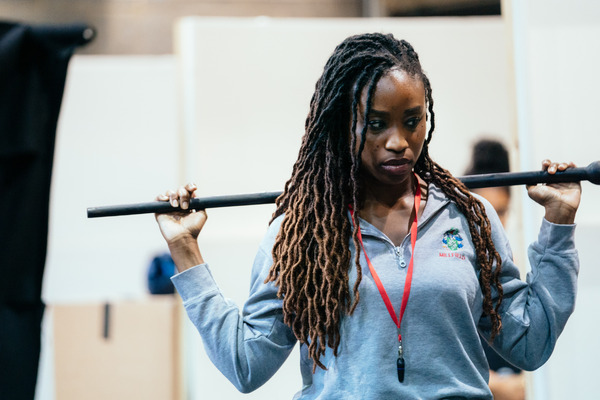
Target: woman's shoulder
275,225
438,195
271,235
489,209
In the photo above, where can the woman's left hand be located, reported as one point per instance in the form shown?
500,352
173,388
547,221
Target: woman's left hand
560,200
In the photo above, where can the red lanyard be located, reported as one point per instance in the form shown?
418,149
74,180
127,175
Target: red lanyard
407,283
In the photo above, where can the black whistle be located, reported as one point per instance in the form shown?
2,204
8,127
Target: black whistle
400,366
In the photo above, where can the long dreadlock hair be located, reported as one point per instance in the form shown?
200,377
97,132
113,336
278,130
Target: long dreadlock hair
311,255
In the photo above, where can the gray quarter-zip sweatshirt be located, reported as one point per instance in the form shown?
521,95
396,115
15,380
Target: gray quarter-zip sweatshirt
441,325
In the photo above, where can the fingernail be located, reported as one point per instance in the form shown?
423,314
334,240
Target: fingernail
175,203
184,205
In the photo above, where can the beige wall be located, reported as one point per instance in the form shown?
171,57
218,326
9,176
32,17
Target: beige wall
146,26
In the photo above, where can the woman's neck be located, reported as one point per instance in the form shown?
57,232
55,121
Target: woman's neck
391,211
398,197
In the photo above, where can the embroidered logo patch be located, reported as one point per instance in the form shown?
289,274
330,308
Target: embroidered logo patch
452,240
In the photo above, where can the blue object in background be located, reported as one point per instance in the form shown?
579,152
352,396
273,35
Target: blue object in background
160,271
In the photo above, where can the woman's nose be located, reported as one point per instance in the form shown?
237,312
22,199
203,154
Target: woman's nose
396,141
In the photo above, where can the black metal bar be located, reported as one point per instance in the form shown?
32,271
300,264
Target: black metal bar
590,173
195,204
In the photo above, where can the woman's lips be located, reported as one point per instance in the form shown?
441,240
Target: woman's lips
396,166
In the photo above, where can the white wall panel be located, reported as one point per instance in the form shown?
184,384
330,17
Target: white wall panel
557,55
117,142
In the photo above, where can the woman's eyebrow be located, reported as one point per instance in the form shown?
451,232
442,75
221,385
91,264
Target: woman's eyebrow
414,110
408,111
373,111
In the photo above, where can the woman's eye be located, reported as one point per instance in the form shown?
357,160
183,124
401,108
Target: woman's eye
413,122
376,124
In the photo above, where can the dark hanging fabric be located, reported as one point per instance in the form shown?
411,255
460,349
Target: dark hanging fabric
33,68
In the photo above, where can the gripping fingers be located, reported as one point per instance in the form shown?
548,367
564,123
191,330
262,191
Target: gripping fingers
181,197
184,197
162,197
545,164
553,167
169,196
173,199
191,187
185,193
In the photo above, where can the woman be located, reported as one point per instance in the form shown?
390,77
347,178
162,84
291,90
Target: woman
364,188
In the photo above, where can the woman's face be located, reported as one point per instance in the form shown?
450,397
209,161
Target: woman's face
396,129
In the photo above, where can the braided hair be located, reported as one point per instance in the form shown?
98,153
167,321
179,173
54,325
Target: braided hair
311,255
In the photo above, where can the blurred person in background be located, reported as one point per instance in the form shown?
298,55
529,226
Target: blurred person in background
490,156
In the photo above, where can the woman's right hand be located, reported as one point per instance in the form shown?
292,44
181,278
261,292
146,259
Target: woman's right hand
181,228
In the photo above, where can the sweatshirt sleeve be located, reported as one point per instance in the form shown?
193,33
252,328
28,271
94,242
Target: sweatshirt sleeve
535,312
247,347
